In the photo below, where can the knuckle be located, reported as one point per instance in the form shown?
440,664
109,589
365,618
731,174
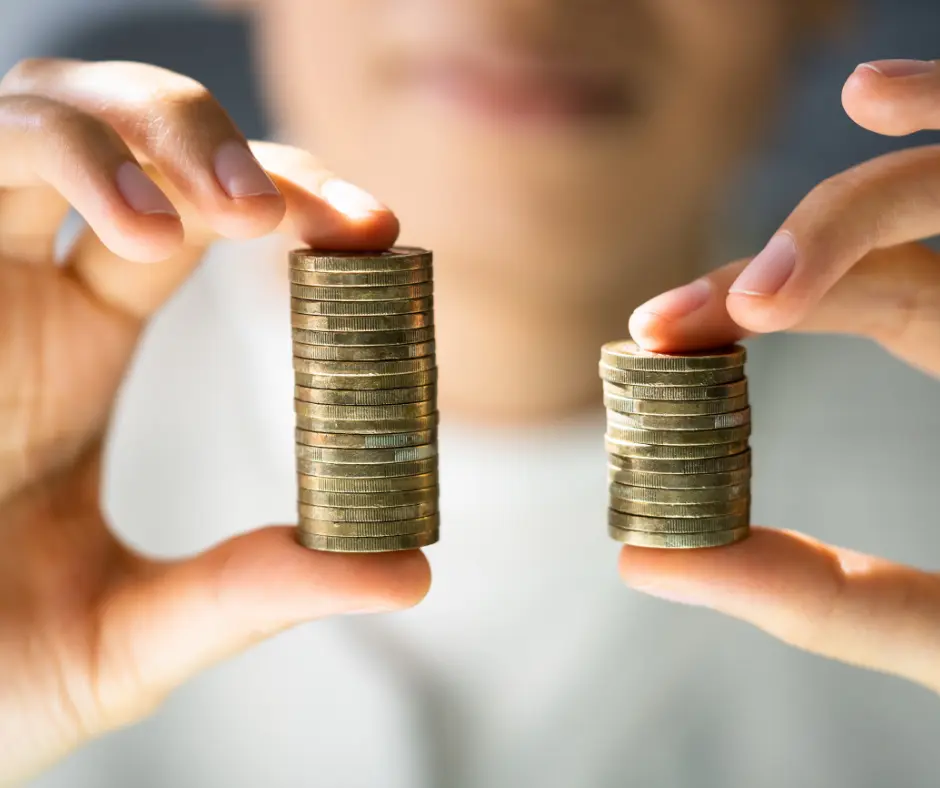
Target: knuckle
22,73
184,102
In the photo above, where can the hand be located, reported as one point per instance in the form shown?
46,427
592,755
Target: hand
844,261
92,635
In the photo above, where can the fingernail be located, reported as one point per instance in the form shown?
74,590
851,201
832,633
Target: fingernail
239,172
770,270
349,199
141,193
900,68
679,302
683,597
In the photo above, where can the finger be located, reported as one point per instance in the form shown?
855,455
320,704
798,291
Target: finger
173,122
894,97
30,219
827,600
170,620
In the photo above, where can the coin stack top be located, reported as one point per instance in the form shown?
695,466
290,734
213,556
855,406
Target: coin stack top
365,376
679,466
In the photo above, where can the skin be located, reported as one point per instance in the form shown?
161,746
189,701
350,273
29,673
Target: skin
97,634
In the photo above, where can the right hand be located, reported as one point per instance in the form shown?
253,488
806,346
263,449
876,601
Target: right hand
93,635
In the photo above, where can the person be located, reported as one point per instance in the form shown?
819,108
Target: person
562,159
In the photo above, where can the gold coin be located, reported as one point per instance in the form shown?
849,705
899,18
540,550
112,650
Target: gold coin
389,514
365,397
360,353
346,544
362,278
693,513
369,529
683,393
625,354
346,382
398,258
678,481
367,427
627,492
315,322
350,308
410,410
339,440
318,367
366,470
676,525
378,500
718,421
678,437
409,336
705,377
394,293
365,456
678,541
615,401
652,451
710,465
391,484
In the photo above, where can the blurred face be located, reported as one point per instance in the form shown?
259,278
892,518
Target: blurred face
547,144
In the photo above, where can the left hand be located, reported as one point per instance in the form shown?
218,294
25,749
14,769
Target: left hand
845,261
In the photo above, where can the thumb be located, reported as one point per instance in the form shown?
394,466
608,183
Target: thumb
174,618
828,600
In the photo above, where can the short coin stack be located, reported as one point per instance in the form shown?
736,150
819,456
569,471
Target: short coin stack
679,465
366,399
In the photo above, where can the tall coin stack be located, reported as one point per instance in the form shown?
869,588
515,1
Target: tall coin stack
679,465
365,394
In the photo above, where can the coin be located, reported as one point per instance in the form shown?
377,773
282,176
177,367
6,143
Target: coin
678,437
365,530
363,353
391,484
398,258
626,492
616,401
339,440
365,456
652,451
410,410
718,421
711,465
625,354
379,500
405,307
394,293
362,544
683,393
366,426
678,481
398,366
690,513
677,525
366,470
346,382
363,338
316,322
372,514
365,397
362,278
705,377
678,541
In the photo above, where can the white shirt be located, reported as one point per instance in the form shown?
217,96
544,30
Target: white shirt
529,664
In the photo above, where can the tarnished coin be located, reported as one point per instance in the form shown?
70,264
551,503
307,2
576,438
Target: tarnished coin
626,492
392,484
652,451
394,293
398,258
399,366
367,426
678,541
678,481
315,322
677,525
365,396
645,421
365,456
377,500
410,410
385,528
411,276
361,544
390,514
347,382
626,354
710,465
690,512
366,470
408,336
363,353
349,308
342,440
683,393
705,377
616,401
677,437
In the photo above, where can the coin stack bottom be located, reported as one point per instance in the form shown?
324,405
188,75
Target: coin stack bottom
365,398
679,465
